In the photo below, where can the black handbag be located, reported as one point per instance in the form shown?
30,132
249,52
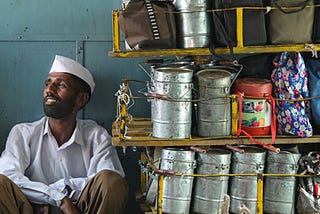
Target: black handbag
257,66
254,29
316,23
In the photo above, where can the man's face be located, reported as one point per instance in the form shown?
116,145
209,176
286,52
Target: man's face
59,95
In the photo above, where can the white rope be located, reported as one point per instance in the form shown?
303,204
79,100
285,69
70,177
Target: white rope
123,97
311,48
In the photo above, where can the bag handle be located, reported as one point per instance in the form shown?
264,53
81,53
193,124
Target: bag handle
170,24
223,32
302,7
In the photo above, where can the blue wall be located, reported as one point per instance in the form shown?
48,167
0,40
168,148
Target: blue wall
33,32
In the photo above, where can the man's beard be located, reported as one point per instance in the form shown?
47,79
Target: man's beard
59,110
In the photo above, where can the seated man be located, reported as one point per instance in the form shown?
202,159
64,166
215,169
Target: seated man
60,163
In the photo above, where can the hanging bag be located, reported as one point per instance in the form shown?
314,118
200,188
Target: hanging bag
290,84
308,201
257,65
316,23
314,85
254,29
291,21
148,24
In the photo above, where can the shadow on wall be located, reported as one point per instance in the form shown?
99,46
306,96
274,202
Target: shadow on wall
129,162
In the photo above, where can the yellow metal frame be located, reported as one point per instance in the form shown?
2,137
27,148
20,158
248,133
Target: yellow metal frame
141,136
259,185
239,49
234,114
260,194
260,182
144,176
121,140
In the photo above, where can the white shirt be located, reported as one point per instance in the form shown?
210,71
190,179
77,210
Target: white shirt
33,160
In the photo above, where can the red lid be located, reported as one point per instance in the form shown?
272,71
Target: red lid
254,87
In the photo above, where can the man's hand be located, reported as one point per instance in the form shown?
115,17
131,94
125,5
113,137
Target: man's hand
67,206
40,208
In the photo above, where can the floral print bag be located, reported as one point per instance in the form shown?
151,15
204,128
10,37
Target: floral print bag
290,85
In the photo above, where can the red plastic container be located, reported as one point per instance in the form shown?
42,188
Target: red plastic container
256,111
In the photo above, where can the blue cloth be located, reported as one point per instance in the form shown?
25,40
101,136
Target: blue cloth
314,88
290,79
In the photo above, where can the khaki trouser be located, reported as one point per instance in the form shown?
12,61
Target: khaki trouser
107,192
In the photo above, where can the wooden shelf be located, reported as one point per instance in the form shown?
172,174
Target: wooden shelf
140,129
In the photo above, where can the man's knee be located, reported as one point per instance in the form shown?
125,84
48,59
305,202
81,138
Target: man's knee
11,197
111,183
4,180
107,191
111,179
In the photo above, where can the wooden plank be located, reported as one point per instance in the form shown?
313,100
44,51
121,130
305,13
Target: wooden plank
134,124
136,127
150,141
139,134
143,131
206,51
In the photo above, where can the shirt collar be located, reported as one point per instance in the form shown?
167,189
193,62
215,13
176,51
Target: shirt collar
76,135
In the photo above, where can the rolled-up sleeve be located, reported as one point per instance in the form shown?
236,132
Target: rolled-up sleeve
14,160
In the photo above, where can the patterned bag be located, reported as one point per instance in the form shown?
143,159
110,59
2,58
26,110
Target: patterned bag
290,81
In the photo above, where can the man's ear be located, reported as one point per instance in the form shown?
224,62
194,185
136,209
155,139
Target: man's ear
82,99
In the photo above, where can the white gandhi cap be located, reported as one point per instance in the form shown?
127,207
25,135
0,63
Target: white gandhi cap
66,65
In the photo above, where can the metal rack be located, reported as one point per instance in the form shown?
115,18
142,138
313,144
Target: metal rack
136,131
131,131
161,176
139,129
128,131
239,49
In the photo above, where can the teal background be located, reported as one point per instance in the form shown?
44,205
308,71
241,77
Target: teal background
32,32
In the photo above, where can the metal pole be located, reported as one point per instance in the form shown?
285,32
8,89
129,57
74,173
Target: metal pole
160,193
260,194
